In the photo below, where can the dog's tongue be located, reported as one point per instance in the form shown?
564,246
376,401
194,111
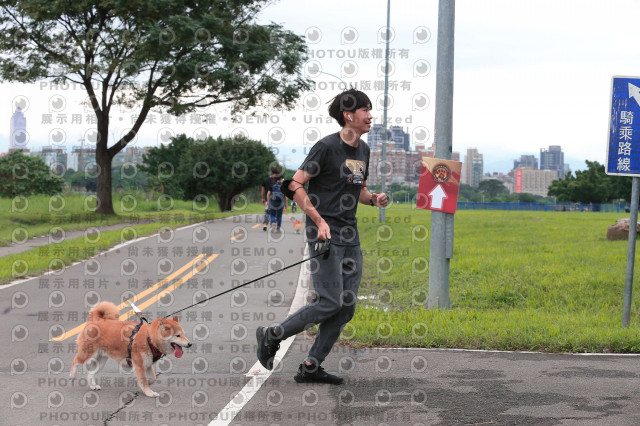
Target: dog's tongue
177,351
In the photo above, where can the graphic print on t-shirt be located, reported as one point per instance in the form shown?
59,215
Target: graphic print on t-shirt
356,168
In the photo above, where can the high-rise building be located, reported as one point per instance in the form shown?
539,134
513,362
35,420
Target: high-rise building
403,164
472,168
54,157
535,182
83,159
552,159
526,161
400,137
396,137
399,166
130,154
18,136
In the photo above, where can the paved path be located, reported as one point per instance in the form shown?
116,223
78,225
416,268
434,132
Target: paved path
219,375
58,235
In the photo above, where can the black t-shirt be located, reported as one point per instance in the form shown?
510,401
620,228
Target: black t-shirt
337,171
266,184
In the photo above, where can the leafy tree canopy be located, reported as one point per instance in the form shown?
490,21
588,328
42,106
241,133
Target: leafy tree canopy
26,175
224,167
592,185
167,54
492,187
161,165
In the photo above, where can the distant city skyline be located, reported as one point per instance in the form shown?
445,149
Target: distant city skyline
515,88
398,138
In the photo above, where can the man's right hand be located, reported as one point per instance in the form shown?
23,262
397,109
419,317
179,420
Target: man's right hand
324,233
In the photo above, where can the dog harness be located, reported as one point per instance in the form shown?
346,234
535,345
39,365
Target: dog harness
155,351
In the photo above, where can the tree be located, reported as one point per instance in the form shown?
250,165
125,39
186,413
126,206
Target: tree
128,177
81,180
492,187
161,165
468,193
620,187
224,167
591,186
26,175
68,173
170,54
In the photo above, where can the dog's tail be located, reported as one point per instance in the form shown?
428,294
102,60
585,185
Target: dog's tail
103,310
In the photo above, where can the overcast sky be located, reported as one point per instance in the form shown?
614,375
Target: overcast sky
528,74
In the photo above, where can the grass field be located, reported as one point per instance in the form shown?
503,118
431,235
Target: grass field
542,281
35,216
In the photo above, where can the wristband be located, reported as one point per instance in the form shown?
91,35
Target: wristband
371,201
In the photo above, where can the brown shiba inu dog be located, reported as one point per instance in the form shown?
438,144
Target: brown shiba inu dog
105,336
297,225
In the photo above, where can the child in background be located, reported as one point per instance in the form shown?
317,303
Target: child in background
277,202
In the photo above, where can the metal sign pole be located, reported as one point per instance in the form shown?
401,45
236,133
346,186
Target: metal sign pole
623,159
439,249
631,253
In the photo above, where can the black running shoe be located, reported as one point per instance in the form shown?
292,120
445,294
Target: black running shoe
316,374
267,347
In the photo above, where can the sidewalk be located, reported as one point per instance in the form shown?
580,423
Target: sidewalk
68,235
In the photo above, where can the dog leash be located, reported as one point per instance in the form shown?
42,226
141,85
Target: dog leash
322,248
291,218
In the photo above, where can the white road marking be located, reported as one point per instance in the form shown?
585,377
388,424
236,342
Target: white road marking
259,374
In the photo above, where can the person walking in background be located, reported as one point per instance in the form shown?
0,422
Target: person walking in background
277,202
264,190
336,170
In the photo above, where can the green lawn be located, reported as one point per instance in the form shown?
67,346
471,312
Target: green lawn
544,281
36,215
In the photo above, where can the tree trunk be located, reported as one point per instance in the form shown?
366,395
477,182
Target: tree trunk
103,159
224,201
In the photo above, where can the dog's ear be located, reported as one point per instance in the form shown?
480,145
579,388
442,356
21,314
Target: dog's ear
175,318
160,323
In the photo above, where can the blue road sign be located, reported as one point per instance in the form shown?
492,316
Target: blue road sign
623,148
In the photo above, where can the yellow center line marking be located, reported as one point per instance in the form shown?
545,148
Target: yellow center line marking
138,296
160,284
158,296
171,288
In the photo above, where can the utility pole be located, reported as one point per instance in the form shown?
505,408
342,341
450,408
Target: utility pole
383,170
442,223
